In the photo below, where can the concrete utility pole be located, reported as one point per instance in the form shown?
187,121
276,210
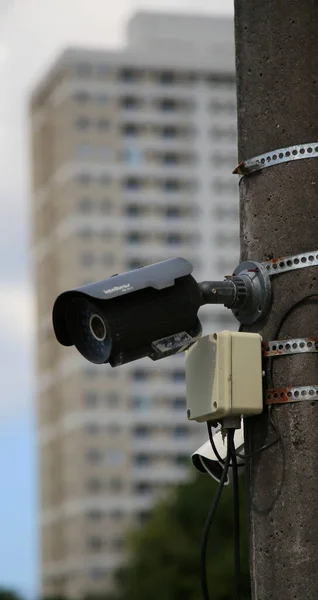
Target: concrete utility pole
277,86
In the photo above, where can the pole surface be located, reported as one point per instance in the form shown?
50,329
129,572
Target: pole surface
277,88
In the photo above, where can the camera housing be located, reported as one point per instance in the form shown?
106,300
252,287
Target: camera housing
150,311
205,461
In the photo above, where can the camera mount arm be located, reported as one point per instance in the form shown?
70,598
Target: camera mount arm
247,292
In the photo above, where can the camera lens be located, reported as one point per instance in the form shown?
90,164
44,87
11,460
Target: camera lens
97,327
89,330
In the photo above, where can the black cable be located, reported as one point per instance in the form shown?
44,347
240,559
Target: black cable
236,515
212,442
269,444
206,530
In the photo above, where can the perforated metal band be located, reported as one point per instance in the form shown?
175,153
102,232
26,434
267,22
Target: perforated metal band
276,157
291,263
291,394
286,347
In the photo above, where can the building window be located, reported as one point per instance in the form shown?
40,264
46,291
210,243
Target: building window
102,70
81,96
182,460
116,515
226,212
104,179
82,123
132,156
83,150
104,151
102,98
169,131
140,374
92,428
141,431
115,484
129,102
170,158
180,431
130,130
84,178
174,238
84,70
118,544
178,375
113,429
225,186
141,460
112,399
168,104
133,210
142,517
134,237
224,160
98,573
129,75
94,515
95,543
142,488
171,185
90,399
108,259
140,402
223,106
105,205
134,263
224,133
93,455
103,124
224,239
167,77
132,183
173,212
115,457
179,403
94,485
87,259
85,204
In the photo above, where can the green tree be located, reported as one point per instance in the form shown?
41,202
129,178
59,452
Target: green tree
7,594
165,553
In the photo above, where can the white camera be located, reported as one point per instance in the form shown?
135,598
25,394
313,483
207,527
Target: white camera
205,461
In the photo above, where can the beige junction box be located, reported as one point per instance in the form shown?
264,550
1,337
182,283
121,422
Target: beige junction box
224,376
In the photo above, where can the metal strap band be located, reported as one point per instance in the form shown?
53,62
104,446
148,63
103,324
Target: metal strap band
291,394
291,263
286,347
276,157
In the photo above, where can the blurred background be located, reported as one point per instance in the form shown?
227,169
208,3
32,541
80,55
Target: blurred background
118,139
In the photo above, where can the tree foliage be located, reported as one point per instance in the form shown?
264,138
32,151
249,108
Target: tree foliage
165,554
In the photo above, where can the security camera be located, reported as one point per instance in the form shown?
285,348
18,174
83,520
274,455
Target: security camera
205,460
150,311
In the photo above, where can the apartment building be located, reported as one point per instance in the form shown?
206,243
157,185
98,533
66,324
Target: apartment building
132,156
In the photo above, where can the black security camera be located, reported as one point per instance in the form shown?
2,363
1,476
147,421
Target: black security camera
151,311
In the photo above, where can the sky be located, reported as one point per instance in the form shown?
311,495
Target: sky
32,34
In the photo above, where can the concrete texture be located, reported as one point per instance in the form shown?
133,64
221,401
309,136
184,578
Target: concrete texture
277,82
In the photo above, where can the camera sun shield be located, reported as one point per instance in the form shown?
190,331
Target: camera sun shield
151,311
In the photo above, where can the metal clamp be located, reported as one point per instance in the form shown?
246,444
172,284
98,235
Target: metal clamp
291,263
276,157
287,347
291,394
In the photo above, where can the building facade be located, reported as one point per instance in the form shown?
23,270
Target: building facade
132,156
